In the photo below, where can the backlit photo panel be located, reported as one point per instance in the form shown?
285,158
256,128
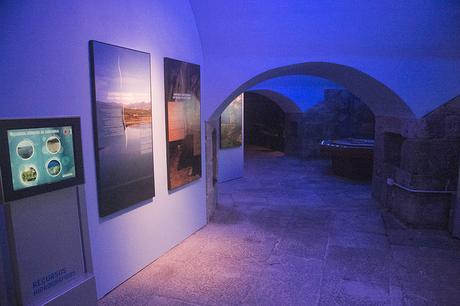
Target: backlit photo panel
122,112
183,122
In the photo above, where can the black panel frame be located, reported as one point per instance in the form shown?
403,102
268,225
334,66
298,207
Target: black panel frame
105,211
171,189
8,193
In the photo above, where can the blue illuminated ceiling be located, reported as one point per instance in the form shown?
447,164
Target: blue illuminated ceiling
412,47
375,28
305,91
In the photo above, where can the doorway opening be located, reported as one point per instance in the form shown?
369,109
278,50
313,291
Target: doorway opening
264,123
384,111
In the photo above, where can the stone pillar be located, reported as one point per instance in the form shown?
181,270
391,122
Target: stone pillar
454,129
292,134
387,130
211,167
422,158
455,212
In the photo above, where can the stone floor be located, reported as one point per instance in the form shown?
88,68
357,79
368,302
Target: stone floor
291,233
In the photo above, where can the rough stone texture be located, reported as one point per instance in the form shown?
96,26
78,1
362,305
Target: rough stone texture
421,155
211,168
291,233
340,115
390,132
431,163
443,122
419,209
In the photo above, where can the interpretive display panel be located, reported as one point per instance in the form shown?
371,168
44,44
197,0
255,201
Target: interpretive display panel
183,122
231,124
42,155
122,117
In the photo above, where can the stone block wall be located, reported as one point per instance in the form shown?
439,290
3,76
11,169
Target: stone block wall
421,210
421,155
340,115
211,167
430,163
390,134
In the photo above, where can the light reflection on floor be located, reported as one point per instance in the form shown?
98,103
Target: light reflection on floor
291,233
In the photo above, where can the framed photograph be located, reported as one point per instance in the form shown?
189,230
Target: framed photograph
183,122
231,124
122,120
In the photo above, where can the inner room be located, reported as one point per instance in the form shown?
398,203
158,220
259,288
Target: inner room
190,152
311,118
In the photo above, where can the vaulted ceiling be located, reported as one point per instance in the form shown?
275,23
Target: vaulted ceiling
385,27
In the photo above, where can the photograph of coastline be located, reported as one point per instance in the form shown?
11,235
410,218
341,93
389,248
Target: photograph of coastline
231,124
122,112
25,149
183,122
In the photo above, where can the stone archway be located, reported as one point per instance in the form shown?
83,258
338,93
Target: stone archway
391,113
380,99
286,104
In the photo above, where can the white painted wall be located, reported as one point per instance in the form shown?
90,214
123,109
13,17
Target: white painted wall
230,164
230,161
44,64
